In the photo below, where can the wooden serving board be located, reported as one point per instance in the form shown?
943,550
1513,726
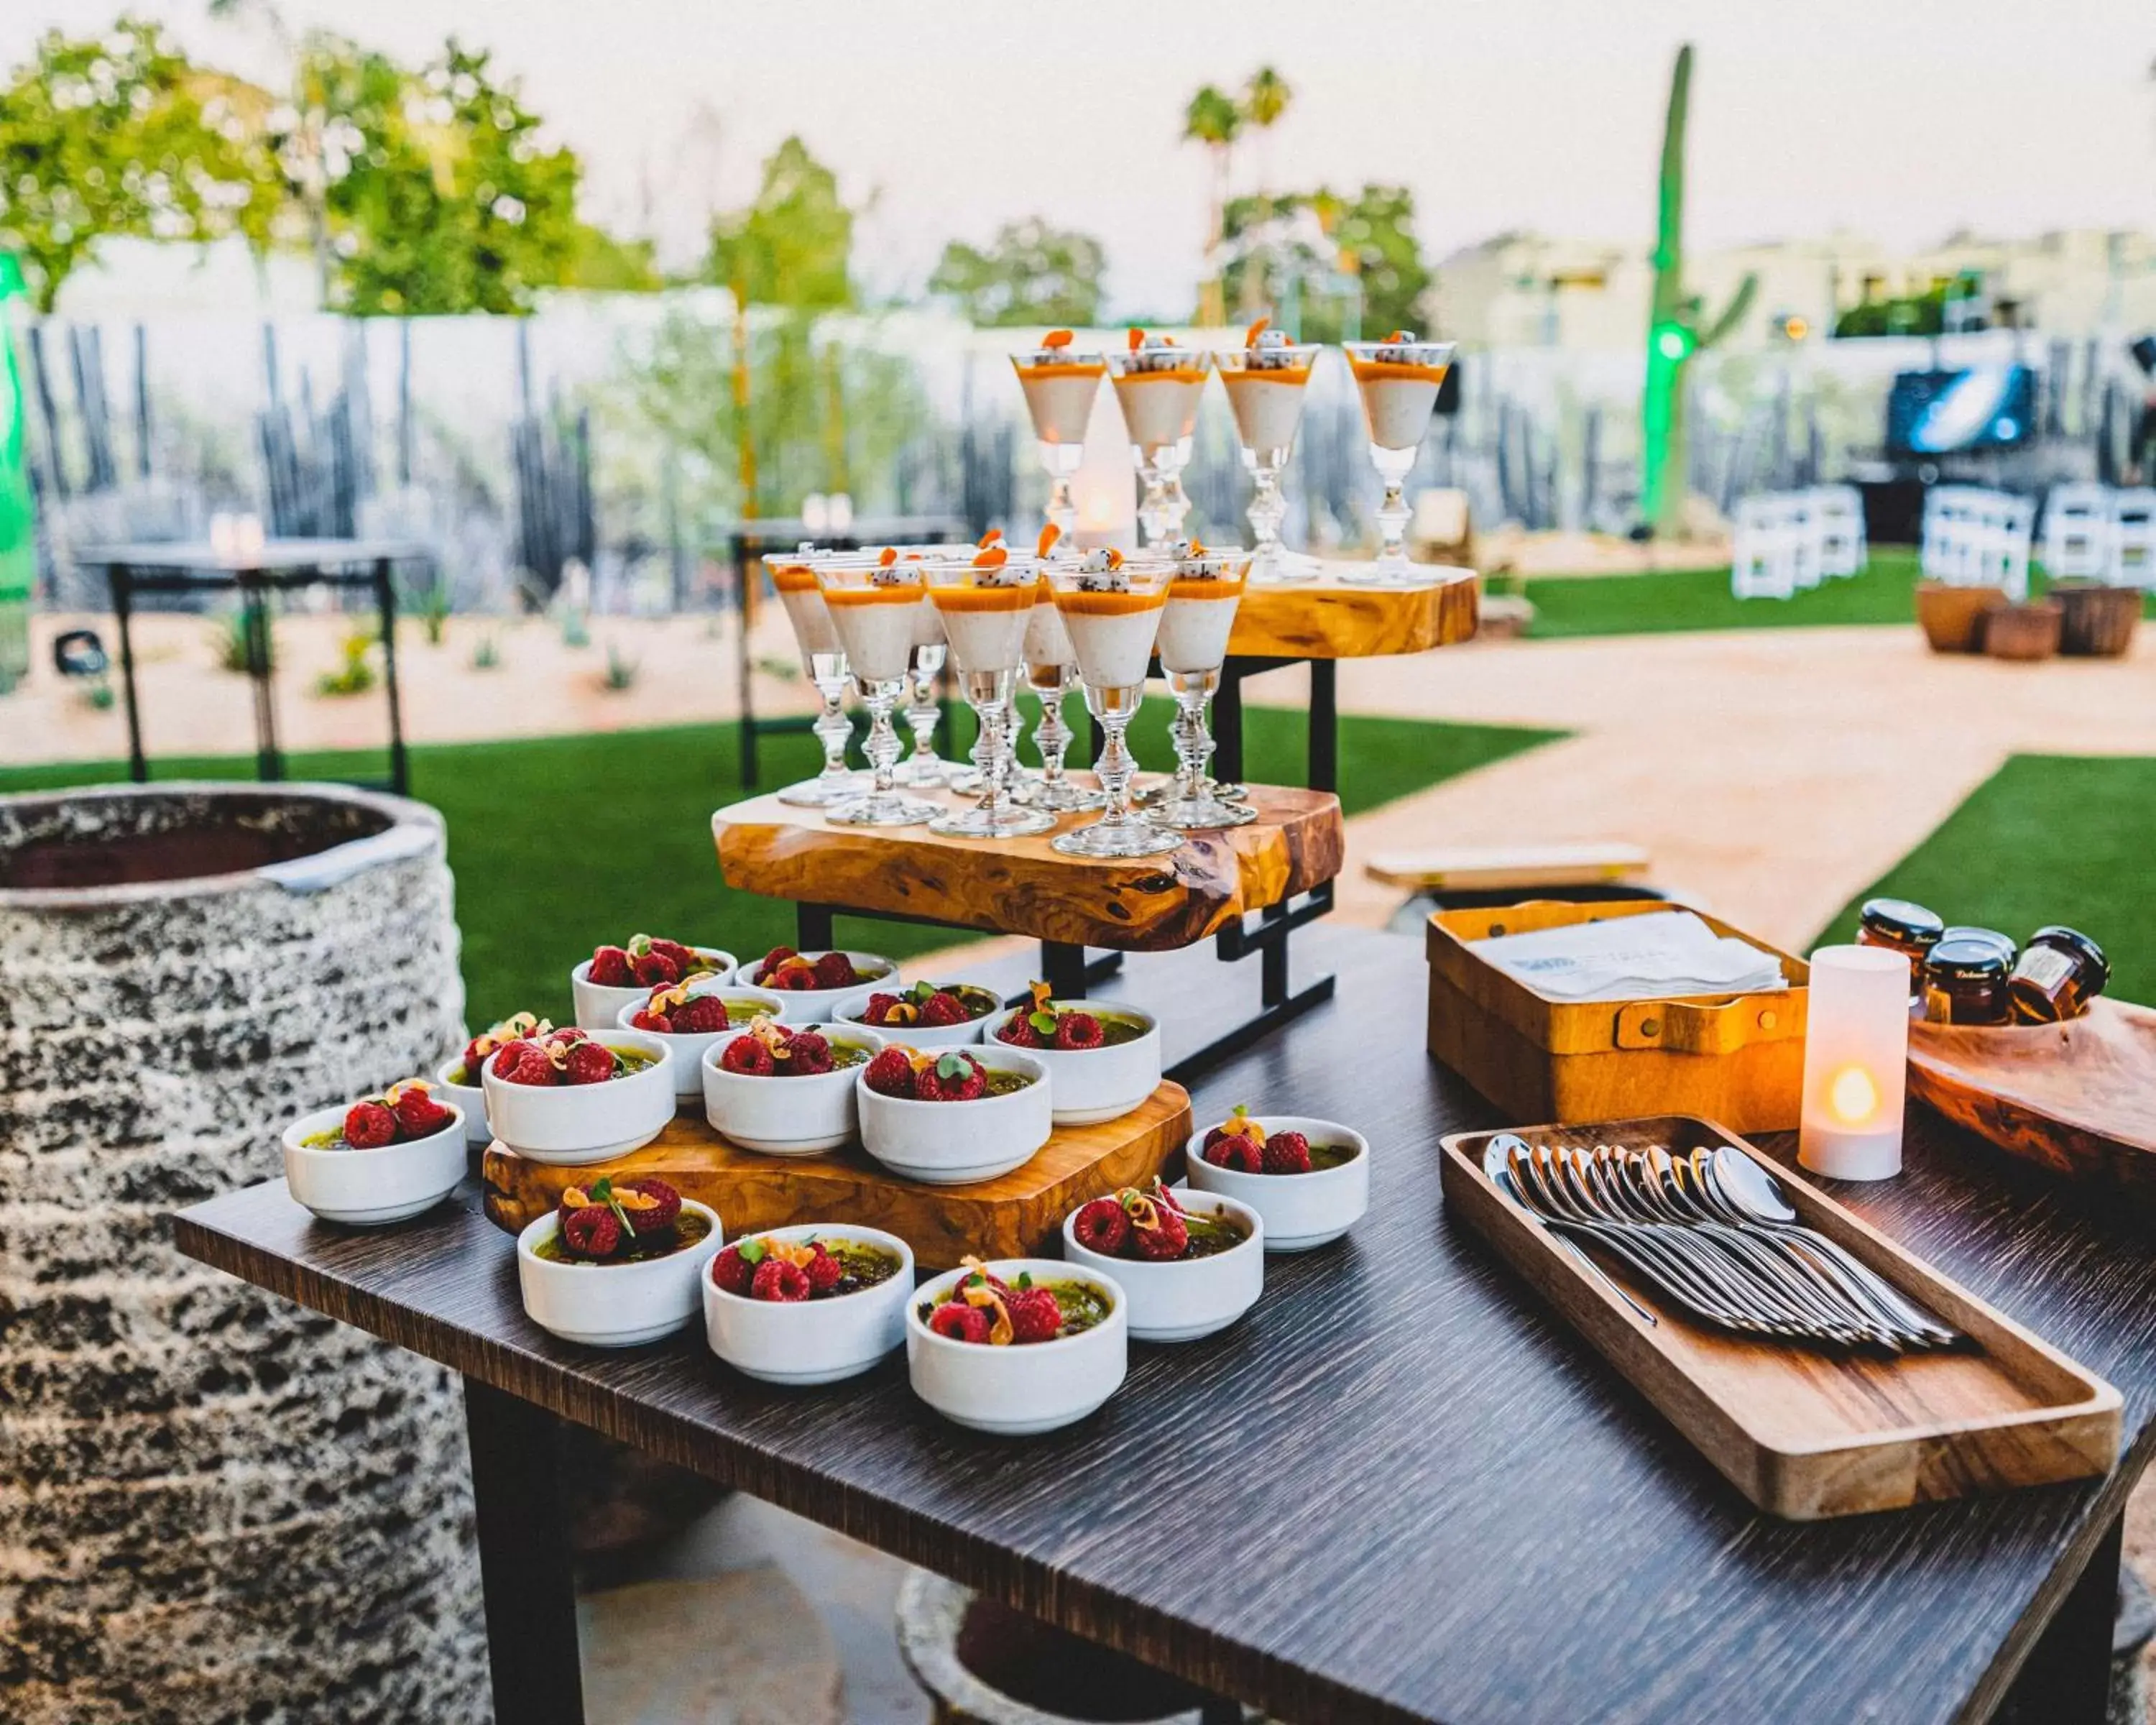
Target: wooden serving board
2078,1097
1024,887
1328,620
1015,1215
1802,1432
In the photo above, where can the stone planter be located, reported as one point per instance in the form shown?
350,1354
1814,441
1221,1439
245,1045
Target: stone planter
2096,621
219,1507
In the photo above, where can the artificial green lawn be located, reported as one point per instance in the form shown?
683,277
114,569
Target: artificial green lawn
2046,838
559,844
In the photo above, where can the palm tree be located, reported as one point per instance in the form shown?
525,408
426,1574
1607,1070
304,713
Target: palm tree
1265,99
1214,120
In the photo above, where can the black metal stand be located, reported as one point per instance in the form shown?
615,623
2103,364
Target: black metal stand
526,1568
1321,761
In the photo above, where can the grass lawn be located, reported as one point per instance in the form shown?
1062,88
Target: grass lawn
1700,599
2047,838
562,843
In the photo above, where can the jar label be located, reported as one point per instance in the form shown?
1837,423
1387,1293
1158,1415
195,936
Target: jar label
2045,967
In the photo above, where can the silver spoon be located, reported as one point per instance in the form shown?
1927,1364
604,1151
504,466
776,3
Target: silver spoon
1494,1155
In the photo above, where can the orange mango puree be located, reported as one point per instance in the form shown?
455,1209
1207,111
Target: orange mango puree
1373,371
1110,604
955,596
908,593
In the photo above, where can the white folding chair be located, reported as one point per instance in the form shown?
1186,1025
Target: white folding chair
1948,546
2005,527
1763,562
1801,520
2077,521
2130,558
1838,517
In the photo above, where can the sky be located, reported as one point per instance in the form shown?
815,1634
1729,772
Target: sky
1900,119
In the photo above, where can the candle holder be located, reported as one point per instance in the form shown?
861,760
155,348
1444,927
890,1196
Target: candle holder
1397,379
825,664
1856,1055
1060,386
1112,609
1159,386
872,606
1267,382
984,605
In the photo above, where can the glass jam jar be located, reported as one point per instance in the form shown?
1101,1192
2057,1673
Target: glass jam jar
1965,984
1902,927
1991,938
2058,973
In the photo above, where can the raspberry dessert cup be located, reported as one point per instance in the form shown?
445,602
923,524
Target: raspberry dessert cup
734,1009
367,1185
777,1113
820,1338
1024,1387
910,1021
599,1000
571,1123
457,1080
1103,1058
814,1004
954,1143
1182,1297
1301,1210
615,1305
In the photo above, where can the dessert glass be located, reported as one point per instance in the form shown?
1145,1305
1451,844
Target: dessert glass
1202,595
1267,382
874,603
824,661
1051,672
1112,609
1397,379
1060,386
924,769
1158,385
985,604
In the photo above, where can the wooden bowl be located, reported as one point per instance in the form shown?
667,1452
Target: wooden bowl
2022,632
1952,617
2096,621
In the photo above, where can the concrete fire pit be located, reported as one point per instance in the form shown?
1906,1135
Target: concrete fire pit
218,1507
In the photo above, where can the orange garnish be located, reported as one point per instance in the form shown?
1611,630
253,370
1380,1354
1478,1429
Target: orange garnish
994,556
1041,992
887,557
1137,338
989,538
1238,1122
1197,549
1056,338
1397,336
1115,558
1000,1333
1250,335
1048,535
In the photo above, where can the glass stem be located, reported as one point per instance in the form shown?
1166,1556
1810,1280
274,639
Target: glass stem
1194,742
1393,516
883,745
1115,767
1062,507
1051,736
833,730
993,757
921,715
1268,511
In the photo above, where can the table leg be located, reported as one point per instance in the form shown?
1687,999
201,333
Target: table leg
524,1559
812,927
385,599
1322,763
122,579
2066,1678
1228,725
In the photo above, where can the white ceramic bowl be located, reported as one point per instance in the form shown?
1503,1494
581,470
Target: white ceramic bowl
812,1341
818,1006
955,1143
1182,1300
598,1005
613,1304
571,1124
1300,1211
963,1035
365,1188
1098,1083
688,1051
1018,1390
469,1098
786,1116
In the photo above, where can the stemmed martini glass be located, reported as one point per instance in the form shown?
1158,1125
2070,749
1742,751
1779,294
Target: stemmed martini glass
1158,385
1051,672
1203,594
985,604
1059,384
1112,605
1267,380
793,574
872,602
1398,379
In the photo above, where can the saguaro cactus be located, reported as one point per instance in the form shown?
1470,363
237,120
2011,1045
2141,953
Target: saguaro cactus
1675,332
18,529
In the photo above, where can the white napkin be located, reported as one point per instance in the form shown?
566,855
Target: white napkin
1655,956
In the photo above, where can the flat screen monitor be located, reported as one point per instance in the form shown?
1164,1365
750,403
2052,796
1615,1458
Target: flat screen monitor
1973,407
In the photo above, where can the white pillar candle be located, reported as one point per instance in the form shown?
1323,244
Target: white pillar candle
1857,1054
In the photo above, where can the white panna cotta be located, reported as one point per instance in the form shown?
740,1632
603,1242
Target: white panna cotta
1047,641
875,625
1158,385
1268,406
805,608
1200,613
1399,380
985,611
1112,632
1059,392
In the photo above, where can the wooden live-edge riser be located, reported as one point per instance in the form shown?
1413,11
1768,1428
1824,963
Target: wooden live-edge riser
1024,885
1328,620
1807,1433
1017,1214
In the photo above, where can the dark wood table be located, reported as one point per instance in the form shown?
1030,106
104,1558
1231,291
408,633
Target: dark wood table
1399,1490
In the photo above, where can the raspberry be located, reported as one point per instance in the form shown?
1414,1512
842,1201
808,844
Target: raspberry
1102,1226
610,968
957,1077
667,1204
1165,1240
368,1126
1237,1153
776,1279
1018,1031
655,970
732,1272
509,1057
1035,1315
472,1060
700,1015
836,970
589,1063
959,1321
1231,1127
1078,1030
647,1019
747,1055
879,1009
592,1232
1165,1195
775,957
824,1271
684,960
808,1054
890,1074
566,1034
418,1113
940,1008
1286,1153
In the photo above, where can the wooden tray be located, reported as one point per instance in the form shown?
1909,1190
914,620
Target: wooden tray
2078,1097
1151,904
1806,1434
1326,619
1738,1057
1016,1215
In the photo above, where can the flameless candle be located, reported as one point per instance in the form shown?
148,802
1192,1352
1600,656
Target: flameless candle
1856,1052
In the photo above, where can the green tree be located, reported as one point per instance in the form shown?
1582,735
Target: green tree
1213,119
1030,273
118,134
1313,235
793,246
433,191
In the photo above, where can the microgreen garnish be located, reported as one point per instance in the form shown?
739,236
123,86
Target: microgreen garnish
751,1251
603,1193
953,1066
1043,1022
